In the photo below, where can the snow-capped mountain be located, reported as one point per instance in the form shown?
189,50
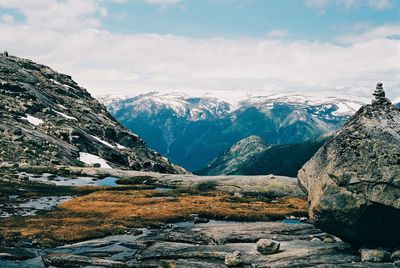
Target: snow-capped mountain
192,131
179,105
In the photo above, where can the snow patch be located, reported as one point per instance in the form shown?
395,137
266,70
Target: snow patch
91,159
33,120
103,141
62,106
66,116
60,84
346,108
119,146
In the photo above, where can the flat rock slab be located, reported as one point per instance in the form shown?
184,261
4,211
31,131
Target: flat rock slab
205,245
69,260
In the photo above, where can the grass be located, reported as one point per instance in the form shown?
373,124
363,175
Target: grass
112,211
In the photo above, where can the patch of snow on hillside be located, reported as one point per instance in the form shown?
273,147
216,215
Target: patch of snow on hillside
119,146
102,141
60,84
33,120
91,159
346,108
66,116
62,106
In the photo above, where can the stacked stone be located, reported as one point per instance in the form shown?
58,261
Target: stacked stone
379,94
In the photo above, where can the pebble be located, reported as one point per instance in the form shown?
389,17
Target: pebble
233,259
267,246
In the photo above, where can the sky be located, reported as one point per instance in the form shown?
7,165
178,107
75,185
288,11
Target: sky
226,47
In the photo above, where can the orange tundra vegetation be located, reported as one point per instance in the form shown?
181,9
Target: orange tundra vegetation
108,212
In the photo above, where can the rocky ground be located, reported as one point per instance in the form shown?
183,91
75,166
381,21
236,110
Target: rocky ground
122,218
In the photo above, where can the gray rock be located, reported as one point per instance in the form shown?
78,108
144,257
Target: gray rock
69,260
353,180
200,220
374,255
329,240
233,259
395,255
267,246
396,264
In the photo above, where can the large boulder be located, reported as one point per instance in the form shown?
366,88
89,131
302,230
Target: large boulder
353,181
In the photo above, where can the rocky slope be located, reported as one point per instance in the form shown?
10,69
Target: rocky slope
46,119
252,156
353,181
194,131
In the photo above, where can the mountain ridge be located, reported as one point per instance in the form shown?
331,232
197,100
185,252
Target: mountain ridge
195,142
47,119
252,156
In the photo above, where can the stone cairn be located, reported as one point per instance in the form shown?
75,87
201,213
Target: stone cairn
379,94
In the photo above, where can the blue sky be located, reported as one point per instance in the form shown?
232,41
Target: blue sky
252,18
226,47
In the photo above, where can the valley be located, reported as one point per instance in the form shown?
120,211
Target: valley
194,131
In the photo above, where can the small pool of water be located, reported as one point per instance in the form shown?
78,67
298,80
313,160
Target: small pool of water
74,181
291,221
107,181
163,189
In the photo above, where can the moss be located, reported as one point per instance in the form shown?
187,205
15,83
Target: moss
113,211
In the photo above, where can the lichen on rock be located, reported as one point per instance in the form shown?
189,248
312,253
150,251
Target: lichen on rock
353,181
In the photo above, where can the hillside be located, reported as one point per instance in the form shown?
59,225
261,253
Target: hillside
47,119
252,156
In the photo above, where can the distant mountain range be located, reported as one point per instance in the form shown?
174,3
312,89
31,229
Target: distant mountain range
252,156
193,131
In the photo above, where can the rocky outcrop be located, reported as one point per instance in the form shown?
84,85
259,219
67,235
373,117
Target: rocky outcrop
353,181
47,119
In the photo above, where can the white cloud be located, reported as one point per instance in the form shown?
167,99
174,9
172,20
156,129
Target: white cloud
67,15
162,3
113,63
370,33
381,4
322,5
7,19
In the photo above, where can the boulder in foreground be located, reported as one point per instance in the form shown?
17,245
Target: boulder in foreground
353,181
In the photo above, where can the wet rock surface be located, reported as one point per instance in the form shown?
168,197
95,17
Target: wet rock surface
353,181
47,119
205,245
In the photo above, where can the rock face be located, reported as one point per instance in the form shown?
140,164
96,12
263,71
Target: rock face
353,181
47,119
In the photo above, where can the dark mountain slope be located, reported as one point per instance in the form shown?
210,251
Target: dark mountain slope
252,156
46,118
